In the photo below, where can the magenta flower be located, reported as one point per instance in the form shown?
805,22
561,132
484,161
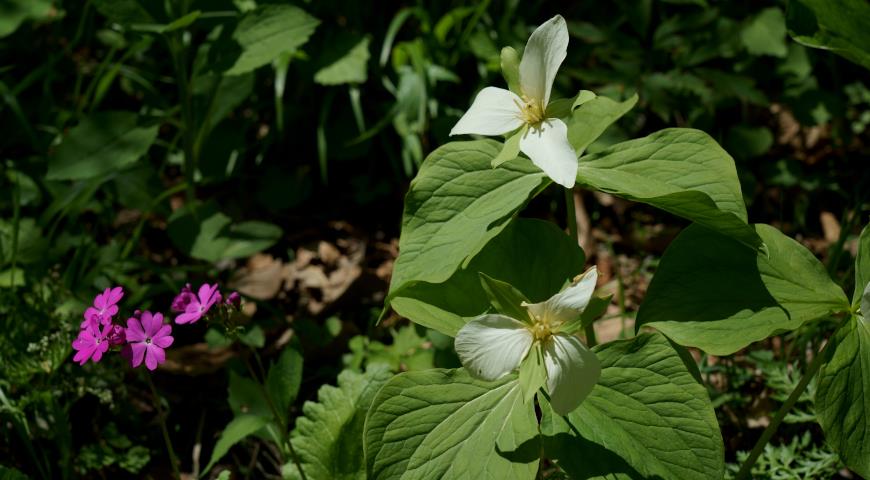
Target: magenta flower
183,299
105,306
117,335
233,300
91,343
147,338
207,296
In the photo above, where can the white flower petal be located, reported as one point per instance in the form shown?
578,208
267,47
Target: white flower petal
491,346
572,372
544,53
495,111
568,304
549,149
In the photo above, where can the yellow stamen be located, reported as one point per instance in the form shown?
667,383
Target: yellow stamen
531,111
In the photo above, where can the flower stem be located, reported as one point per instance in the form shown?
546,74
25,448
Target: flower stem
572,232
814,366
161,416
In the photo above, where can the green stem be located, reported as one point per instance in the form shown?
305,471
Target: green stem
161,416
282,425
814,366
572,232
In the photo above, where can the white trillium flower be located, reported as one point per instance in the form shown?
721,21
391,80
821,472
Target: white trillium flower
493,345
497,111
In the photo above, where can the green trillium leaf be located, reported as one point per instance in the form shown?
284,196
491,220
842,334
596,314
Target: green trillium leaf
842,399
862,270
456,204
713,293
549,256
836,25
679,170
646,418
445,424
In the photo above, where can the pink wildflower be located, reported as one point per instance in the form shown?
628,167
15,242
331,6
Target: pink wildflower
183,299
147,338
207,296
105,306
117,335
233,300
91,342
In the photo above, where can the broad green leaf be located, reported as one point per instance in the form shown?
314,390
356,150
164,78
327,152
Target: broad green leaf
533,256
506,299
329,437
102,143
265,33
13,12
455,205
765,33
207,234
646,418
862,267
235,431
351,67
592,116
836,25
445,424
679,170
842,400
284,379
713,293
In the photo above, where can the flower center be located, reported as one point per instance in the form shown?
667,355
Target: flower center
542,328
531,111
147,341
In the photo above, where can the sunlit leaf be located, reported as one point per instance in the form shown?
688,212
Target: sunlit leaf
713,293
445,424
646,418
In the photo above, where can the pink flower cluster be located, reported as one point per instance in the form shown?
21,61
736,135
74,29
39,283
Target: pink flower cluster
145,337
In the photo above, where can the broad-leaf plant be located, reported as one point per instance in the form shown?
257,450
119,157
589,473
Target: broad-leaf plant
518,299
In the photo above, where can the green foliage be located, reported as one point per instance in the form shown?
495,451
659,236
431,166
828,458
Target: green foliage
237,430
329,436
407,352
749,294
681,171
647,417
351,67
549,259
101,144
205,233
441,423
472,205
113,449
842,401
262,35
832,25
799,459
